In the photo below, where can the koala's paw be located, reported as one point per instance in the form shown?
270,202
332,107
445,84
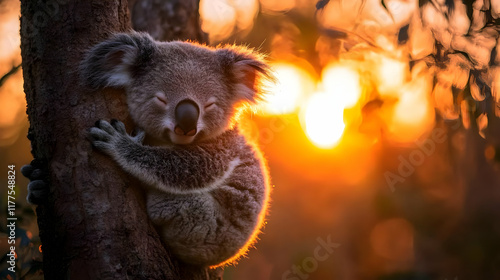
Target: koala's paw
139,135
38,188
108,136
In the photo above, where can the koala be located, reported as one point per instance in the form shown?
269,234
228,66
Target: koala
206,186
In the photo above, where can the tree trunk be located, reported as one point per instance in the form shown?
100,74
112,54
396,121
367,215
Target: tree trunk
94,225
167,20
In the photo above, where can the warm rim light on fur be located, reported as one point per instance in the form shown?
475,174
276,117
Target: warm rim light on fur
261,222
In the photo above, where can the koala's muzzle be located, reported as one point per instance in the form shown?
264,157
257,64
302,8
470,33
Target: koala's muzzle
186,117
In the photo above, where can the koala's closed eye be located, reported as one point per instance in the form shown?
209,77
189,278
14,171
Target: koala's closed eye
161,99
210,104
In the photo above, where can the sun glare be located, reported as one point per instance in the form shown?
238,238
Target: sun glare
292,83
321,103
324,121
322,114
343,82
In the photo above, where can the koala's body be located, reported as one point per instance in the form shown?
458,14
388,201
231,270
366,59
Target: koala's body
206,187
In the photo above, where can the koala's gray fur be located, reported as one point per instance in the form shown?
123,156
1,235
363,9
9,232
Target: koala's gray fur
207,193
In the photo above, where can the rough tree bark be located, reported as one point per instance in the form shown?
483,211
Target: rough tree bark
94,225
168,20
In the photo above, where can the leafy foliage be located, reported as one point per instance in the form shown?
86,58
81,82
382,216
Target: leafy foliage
458,41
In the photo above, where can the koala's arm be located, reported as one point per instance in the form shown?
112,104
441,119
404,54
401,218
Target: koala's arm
208,200
177,170
216,227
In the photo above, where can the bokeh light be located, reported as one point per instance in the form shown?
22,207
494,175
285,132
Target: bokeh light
222,18
323,118
9,29
391,75
393,239
246,11
413,114
340,14
343,82
12,100
218,18
286,93
411,109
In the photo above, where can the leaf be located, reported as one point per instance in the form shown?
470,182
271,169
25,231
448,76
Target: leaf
495,9
372,105
443,99
482,124
476,88
436,20
495,89
456,72
421,39
458,19
321,4
385,7
11,72
477,47
372,122
403,34
335,33
464,108
469,6
478,19
450,4
422,2
493,56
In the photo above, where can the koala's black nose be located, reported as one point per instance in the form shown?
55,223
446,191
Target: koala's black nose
186,117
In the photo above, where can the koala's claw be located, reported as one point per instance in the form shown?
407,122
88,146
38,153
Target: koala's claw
102,135
38,188
27,170
111,128
119,126
38,192
107,127
139,135
107,135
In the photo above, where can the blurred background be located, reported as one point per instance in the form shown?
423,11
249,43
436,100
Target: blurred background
381,133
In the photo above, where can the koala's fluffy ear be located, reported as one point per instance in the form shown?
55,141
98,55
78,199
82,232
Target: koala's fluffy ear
245,71
114,62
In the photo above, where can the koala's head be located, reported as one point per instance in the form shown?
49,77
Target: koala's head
177,92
